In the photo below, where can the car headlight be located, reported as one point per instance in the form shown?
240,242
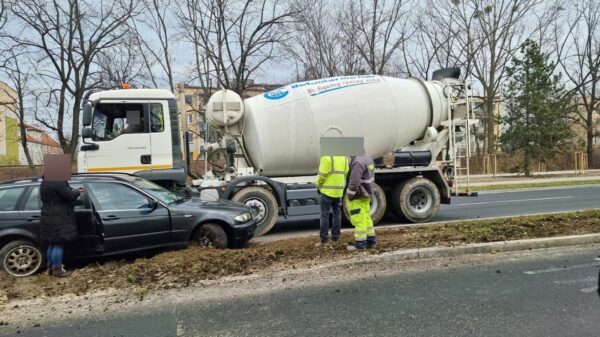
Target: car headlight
244,217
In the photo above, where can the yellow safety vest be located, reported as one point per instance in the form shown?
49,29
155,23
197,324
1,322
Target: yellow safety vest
332,175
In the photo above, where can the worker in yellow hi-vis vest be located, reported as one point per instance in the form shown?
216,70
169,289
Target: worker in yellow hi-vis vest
331,182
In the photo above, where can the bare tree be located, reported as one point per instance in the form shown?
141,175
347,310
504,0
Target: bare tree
120,64
155,18
318,47
381,27
489,32
66,38
190,17
579,57
434,44
240,37
19,78
2,13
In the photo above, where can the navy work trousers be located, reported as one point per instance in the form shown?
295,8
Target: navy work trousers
331,216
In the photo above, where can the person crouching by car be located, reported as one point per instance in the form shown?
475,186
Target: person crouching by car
58,222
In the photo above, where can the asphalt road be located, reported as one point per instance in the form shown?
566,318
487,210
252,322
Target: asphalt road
486,205
533,294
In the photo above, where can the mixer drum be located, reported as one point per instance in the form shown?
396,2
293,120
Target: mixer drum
281,128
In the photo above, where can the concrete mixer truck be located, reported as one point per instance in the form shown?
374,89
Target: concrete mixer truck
268,152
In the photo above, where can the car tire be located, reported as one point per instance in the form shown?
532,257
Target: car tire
264,203
415,200
210,235
377,208
21,258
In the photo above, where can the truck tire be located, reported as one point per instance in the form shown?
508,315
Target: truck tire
210,235
263,204
21,258
415,200
378,205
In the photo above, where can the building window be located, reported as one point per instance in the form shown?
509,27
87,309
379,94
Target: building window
188,99
189,118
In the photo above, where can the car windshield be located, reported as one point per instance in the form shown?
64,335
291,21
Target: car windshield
156,191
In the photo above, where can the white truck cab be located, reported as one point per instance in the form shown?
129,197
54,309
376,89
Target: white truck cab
133,131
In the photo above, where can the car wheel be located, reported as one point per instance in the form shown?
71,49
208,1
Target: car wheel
20,258
263,205
415,200
210,235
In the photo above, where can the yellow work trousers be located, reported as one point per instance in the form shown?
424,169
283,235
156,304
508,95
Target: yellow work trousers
360,217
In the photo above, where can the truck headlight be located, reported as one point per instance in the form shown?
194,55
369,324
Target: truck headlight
244,217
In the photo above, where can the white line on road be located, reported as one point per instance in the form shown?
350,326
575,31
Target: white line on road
583,280
511,201
552,270
588,290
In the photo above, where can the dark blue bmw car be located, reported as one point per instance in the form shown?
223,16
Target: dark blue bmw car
118,214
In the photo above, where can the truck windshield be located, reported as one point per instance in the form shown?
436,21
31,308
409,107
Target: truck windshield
156,191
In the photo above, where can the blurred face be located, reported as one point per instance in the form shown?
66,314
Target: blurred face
57,167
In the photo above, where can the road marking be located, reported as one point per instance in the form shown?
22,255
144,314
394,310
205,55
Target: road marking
583,280
552,270
588,290
512,201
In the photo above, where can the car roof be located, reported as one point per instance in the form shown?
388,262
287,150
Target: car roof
75,177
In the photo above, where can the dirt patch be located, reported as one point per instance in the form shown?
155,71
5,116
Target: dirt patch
193,265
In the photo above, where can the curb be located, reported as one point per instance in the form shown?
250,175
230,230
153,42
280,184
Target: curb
477,248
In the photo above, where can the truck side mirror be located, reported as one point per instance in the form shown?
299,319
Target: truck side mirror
86,133
87,115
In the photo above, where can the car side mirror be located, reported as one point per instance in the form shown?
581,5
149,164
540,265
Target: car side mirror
153,204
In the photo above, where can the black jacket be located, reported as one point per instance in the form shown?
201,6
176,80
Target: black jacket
58,215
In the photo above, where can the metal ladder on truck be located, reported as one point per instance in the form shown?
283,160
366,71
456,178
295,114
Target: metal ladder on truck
460,142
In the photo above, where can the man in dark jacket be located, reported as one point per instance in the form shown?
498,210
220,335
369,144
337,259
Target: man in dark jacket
58,221
360,192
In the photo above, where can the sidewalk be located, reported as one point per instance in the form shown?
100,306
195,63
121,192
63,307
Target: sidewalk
510,175
492,181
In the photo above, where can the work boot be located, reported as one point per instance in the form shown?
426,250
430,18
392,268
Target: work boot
60,272
358,245
322,243
371,242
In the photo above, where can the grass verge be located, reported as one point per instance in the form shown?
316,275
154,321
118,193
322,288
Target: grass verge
193,265
532,185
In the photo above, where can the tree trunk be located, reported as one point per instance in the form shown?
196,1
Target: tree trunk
590,139
590,147
490,125
527,163
25,144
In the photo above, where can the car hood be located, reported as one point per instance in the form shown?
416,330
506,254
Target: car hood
197,204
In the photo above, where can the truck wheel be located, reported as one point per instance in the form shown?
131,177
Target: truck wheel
415,200
20,258
263,205
378,205
210,235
